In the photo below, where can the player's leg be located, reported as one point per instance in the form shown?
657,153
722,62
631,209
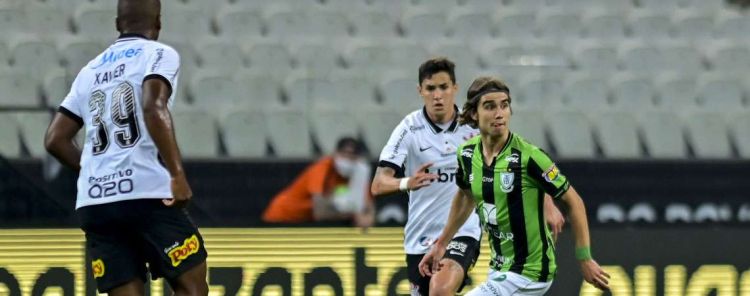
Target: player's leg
460,256
175,249
419,285
134,287
509,283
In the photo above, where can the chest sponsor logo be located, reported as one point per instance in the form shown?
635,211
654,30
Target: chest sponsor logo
513,158
506,184
467,152
182,252
551,174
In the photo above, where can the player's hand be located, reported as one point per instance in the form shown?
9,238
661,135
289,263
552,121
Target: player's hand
430,263
554,218
181,193
594,274
421,177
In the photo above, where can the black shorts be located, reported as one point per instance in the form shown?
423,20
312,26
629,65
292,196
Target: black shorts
462,249
122,237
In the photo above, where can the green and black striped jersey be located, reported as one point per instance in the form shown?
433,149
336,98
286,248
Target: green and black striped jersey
509,195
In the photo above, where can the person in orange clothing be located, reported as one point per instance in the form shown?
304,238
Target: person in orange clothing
334,188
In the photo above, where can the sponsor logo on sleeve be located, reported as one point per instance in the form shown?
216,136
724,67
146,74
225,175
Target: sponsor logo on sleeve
97,266
179,253
551,174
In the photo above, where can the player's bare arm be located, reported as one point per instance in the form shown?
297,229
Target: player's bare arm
592,272
60,141
461,207
385,181
158,120
553,216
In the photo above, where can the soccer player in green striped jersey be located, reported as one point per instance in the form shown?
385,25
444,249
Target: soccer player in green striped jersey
504,178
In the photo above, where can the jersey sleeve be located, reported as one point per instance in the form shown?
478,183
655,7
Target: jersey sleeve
73,105
546,174
163,63
395,151
462,178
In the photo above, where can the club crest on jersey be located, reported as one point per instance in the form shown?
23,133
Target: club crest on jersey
551,174
506,182
179,253
97,267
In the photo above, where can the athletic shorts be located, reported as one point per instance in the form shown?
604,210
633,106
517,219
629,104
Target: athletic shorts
509,283
122,238
462,249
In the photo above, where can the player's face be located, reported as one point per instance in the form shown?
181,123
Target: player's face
493,114
439,94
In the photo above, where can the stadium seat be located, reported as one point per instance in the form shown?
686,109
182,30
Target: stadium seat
4,55
237,23
302,90
18,90
631,92
207,7
351,92
708,6
77,53
260,91
220,55
96,23
34,57
327,23
372,24
515,24
604,26
729,57
33,127
55,87
318,59
244,133
739,124
291,23
272,58
595,57
481,5
530,125
693,25
556,24
719,92
196,134
434,3
659,5
681,58
46,22
732,25
10,146
676,91
329,125
618,135
570,133
185,23
470,24
347,6
291,133
663,135
10,20
547,58
527,5
421,24
641,58
377,127
400,93
216,91
707,134
649,25
502,55
585,92
537,92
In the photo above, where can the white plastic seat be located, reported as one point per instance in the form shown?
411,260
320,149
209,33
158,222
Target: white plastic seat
708,6
214,90
529,124
10,146
18,90
659,5
538,92
377,126
676,91
196,133
235,22
55,87
559,25
641,58
11,20
351,92
244,134
739,124
649,25
515,24
316,59
34,57
733,26
595,57
302,90
632,92
183,23
719,93
470,25
4,55
693,25
663,135
96,23
729,57
584,92
76,53
259,91
618,135
46,22
289,132
570,132
272,58
527,5
33,127
221,56
372,24
400,93
681,58
424,24
604,26
329,125
707,134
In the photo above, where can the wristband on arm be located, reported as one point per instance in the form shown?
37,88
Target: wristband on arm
583,253
403,185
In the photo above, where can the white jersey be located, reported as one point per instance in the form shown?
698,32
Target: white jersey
414,142
120,160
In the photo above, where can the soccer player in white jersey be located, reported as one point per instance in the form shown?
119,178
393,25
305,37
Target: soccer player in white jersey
132,189
424,145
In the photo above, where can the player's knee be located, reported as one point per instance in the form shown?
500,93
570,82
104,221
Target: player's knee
441,289
196,288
